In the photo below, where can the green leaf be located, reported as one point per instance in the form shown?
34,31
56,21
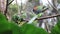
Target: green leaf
8,27
31,29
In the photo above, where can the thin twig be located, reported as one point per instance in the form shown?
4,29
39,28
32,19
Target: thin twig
10,2
52,6
48,17
44,17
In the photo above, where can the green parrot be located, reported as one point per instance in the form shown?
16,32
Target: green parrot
38,9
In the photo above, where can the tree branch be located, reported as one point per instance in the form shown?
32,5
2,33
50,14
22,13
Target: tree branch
52,5
7,4
10,2
44,17
48,17
6,8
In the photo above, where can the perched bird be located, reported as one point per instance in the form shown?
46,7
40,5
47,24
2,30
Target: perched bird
39,9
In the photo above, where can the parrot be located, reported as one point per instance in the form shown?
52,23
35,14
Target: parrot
39,9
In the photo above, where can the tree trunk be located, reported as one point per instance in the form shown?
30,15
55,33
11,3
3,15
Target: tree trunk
2,5
6,8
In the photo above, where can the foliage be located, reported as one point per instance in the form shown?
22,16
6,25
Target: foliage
31,29
56,29
35,0
24,15
12,28
12,9
17,18
30,0
58,1
36,16
7,27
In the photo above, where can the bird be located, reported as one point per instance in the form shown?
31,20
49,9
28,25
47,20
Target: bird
39,9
